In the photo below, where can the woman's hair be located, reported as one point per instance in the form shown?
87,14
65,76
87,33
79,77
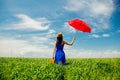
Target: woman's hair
59,38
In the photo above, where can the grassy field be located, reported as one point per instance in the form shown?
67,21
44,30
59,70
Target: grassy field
75,69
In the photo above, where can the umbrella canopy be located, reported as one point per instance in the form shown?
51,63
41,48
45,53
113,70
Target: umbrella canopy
80,25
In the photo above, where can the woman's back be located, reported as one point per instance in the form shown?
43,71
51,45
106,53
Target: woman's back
59,55
60,46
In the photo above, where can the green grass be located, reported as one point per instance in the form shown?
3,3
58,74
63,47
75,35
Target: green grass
75,69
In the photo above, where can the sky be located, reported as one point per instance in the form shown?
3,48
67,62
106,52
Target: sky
28,28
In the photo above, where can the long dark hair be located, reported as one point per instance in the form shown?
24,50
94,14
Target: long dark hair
59,40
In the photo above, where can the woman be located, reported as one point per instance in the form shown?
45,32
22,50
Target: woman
58,49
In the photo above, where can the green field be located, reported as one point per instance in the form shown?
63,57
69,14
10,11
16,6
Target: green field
75,69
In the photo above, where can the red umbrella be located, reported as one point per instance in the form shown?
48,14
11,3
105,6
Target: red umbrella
80,25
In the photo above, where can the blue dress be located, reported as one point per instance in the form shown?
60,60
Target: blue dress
60,55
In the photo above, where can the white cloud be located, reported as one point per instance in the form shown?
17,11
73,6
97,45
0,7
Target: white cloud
100,36
39,45
75,5
95,35
44,38
91,7
104,7
95,12
26,22
51,33
21,48
92,53
106,35
68,28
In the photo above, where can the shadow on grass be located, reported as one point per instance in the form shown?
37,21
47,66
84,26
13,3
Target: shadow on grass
68,63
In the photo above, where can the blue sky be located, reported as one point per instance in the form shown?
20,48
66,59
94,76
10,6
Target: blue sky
28,28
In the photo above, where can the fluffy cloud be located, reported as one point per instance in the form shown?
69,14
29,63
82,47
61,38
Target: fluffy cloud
33,46
95,36
43,38
91,7
100,36
92,54
22,48
26,22
68,28
106,35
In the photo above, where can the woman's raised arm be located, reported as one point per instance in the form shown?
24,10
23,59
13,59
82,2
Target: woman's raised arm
72,42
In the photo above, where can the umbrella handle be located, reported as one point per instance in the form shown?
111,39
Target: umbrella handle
74,38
